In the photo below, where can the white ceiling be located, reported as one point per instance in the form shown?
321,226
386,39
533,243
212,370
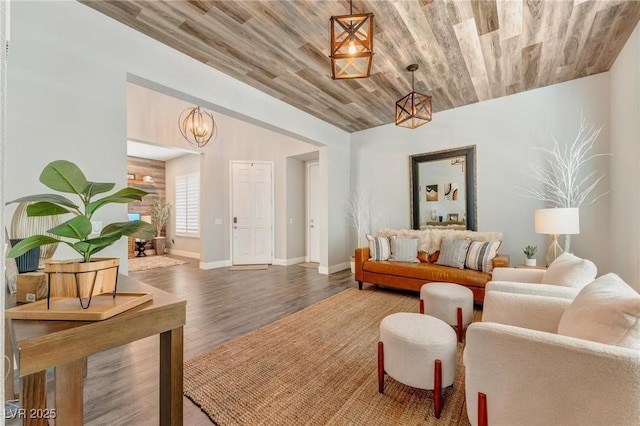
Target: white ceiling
155,152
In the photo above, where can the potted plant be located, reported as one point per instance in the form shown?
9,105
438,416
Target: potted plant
87,276
160,211
530,252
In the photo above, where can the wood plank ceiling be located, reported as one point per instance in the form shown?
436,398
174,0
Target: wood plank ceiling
468,51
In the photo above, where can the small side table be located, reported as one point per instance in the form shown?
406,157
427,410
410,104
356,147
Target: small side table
140,248
530,267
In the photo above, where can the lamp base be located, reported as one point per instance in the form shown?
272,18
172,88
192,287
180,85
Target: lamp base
554,249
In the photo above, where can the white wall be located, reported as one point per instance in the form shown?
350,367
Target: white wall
625,173
296,207
185,165
67,83
503,131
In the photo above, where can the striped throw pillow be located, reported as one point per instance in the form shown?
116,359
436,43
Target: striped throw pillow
453,253
404,250
379,248
480,255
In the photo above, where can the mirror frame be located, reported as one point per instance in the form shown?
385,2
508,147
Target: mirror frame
469,152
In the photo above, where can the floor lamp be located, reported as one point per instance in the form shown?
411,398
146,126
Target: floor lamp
556,222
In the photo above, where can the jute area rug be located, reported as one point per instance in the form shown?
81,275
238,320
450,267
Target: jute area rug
150,262
317,367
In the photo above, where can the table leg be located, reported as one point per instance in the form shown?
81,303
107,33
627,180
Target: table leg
9,392
69,393
34,398
171,353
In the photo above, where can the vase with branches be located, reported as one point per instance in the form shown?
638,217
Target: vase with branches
362,216
160,212
564,182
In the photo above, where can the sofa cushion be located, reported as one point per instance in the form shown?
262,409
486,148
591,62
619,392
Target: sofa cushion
453,253
428,272
379,248
480,255
606,311
404,249
431,239
570,270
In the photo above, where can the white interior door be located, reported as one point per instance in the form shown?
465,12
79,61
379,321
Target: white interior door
313,213
252,213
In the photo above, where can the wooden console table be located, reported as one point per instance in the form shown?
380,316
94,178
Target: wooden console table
39,345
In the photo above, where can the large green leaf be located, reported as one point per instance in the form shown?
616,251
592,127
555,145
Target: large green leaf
29,243
64,176
44,208
136,228
94,188
48,198
92,244
125,195
77,228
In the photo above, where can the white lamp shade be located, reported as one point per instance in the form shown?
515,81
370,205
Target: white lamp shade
557,221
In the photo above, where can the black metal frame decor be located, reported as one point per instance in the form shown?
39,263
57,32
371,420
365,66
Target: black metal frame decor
469,155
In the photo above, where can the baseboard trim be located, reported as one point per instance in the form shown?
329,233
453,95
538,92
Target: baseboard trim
215,265
287,262
334,268
183,253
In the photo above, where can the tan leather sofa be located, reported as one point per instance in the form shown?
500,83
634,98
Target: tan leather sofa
411,276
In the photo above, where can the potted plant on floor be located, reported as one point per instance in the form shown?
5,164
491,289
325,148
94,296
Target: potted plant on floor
530,252
87,276
160,212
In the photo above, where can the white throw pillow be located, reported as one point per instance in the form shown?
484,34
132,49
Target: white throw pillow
404,249
605,311
379,248
570,271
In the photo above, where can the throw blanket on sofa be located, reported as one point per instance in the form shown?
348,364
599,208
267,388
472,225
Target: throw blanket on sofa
430,239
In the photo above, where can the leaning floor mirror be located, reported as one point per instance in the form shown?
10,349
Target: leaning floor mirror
443,189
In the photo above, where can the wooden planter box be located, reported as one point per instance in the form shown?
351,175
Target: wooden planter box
101,273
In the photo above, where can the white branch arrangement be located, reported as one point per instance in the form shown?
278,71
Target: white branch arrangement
362,216
562,184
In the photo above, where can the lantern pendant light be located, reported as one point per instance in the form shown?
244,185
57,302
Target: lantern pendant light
413,110
351,45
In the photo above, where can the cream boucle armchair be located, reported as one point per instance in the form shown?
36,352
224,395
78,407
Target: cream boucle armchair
520,371
564,278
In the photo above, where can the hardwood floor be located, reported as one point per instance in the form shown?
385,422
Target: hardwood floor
121,387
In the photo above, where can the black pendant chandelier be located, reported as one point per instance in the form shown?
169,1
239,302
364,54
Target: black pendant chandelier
413,110
197,126
351,45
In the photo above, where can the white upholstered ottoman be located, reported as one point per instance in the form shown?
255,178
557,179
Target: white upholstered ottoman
452,303
419,351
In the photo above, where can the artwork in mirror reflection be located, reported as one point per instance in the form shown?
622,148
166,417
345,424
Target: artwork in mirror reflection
443,189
